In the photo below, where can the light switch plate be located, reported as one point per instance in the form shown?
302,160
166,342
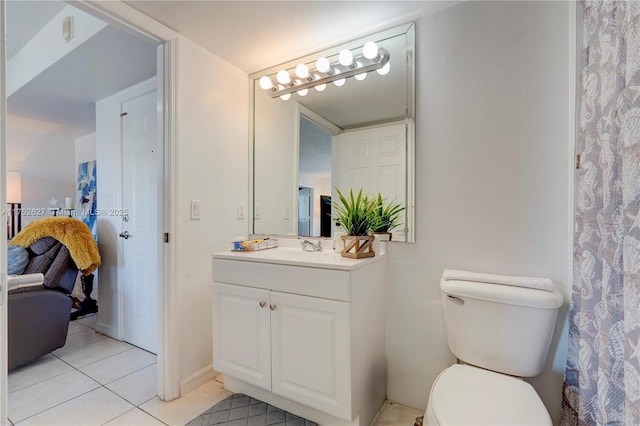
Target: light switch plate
196,209
241,210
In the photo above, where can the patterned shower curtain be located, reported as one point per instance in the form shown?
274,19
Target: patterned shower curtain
602,379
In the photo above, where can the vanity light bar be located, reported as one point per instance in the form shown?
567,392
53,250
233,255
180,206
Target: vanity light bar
373,58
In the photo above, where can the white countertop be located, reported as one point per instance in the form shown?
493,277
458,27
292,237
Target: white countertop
327,259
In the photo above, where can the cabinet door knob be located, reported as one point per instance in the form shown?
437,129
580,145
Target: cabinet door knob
272,307
263,304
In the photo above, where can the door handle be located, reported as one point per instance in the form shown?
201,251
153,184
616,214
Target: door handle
126,235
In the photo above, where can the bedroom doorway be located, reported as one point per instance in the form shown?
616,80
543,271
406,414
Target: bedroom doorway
164,58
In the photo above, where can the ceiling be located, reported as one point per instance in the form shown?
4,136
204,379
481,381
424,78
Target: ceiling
65,93
252,35
24,20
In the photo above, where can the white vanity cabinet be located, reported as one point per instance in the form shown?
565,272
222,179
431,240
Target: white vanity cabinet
306,337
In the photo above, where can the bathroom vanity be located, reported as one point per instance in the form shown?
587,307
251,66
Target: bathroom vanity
303,331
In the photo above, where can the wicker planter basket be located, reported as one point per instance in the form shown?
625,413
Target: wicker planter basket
358,246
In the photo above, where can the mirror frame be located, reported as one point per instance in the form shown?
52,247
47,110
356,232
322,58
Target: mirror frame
408,30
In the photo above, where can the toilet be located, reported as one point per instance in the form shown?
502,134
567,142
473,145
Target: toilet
500,328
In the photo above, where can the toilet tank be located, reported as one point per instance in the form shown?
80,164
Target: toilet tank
498,322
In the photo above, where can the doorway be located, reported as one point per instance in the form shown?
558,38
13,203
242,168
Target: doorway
163,56
314,176
305,209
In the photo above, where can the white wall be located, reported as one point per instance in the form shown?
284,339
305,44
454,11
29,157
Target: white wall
45,157
492,175
277,168
85,149
211,166
109,193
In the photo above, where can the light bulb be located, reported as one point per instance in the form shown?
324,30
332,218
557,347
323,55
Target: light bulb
370,50
303,92
385,69
323,65
360,76
285,97
302,71
265,82
321,87
340,82
283,77
345,57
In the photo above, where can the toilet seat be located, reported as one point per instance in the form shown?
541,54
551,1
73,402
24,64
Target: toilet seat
464,395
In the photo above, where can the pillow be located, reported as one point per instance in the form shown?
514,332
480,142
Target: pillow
17,259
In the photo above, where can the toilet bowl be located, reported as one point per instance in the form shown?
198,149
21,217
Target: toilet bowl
500,328
467,395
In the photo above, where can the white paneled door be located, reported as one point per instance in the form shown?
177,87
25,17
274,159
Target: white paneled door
139,261
374,159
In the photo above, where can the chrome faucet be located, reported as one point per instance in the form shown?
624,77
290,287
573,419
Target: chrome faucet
309,246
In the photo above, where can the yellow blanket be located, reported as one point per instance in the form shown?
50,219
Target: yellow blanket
73,233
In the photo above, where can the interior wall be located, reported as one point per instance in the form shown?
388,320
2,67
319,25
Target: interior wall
45,157
85,149
492,176
211,156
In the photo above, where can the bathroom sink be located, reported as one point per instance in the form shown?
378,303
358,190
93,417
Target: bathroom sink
286,253
296,256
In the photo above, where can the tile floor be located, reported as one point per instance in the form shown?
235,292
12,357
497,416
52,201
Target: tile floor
96,380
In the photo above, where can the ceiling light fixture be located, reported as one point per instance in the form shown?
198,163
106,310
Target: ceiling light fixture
346,64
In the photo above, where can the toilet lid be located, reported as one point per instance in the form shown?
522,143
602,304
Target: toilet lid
465,395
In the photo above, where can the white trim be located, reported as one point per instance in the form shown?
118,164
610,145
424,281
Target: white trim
127,17
4,353
169,334
318,119
138,23
197,379
106,329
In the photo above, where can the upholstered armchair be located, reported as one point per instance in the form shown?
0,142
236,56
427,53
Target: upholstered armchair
38,315
59,248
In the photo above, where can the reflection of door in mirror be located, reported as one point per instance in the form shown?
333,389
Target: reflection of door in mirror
374,159
305,204
314,174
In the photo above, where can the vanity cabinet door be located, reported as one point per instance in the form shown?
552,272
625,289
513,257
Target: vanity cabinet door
241,327
310,352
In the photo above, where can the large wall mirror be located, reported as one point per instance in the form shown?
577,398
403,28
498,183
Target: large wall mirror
359,135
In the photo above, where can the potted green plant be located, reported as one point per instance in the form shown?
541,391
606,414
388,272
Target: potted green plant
386,216
355,215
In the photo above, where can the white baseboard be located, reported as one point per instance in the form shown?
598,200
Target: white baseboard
197,379
107,330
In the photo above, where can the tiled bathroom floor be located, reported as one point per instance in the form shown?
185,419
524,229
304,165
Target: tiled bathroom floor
96,380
